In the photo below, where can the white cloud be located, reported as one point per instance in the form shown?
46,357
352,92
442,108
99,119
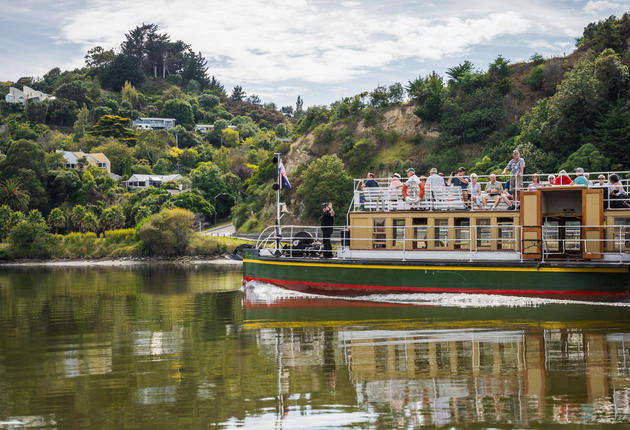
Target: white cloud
284,41
599,6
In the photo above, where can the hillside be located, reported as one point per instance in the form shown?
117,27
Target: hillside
560,112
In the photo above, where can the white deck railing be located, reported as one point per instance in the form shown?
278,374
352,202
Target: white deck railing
464,242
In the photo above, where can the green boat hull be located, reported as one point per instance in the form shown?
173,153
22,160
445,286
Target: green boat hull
580,280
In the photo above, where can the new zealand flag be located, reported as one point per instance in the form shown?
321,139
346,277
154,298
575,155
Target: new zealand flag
283,176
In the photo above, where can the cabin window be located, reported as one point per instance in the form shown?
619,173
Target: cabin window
621,233
462,233
420,233
378,233
483,233
572,235
441,233
398,233
506,233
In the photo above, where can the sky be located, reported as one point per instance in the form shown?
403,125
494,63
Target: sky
322,50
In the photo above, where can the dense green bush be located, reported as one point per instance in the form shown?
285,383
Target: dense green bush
167,232
30,240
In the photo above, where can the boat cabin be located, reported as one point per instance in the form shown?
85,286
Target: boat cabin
553,222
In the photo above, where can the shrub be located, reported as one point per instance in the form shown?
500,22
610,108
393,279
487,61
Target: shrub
30,240
168,232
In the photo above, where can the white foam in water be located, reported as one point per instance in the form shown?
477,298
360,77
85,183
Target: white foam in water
262,292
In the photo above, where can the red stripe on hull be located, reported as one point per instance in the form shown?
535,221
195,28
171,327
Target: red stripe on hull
329,286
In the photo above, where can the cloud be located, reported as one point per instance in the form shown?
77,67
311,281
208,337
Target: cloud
600,6
276,41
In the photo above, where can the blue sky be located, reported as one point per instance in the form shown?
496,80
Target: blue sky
321,49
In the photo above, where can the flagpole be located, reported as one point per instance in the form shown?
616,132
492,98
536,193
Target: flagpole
279,186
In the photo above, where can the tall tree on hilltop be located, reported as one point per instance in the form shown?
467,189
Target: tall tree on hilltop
134,45
299,107
237,94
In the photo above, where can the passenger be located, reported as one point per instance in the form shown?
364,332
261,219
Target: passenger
601,182
619,197
516,166
413,187
507,196
395,190
588,178
461,181
535,183
580,179
474,190
327,221
563,178
368,183
434,180
423,185
494,189
551,179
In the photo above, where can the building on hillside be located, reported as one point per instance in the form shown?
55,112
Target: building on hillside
203,128
153,123
137,181
96,159
27,95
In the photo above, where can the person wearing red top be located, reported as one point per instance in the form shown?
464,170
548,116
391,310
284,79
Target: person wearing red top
563,178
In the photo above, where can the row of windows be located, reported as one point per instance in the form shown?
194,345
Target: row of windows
421,239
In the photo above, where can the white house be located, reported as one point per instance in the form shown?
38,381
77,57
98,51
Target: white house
203,128
143,181
153,123
26,95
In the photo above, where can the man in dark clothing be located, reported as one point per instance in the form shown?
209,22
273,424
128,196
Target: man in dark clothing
368,183
326,221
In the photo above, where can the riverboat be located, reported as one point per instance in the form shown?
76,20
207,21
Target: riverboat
561,241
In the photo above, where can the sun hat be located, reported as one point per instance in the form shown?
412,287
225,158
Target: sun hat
433,170
579,170
411,169
396,175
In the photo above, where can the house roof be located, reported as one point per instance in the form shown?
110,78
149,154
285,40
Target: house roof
153,178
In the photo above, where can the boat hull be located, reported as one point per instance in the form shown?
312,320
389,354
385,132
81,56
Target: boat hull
569,280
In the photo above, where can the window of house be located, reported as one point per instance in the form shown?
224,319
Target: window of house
506,233
398,235
484,234
420,233
441,233
378,233
462,233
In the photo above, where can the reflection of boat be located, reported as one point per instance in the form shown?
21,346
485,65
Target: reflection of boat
521,367
560,243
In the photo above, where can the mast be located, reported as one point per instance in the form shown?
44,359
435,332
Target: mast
277,186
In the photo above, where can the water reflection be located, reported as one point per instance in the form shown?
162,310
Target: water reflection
167,347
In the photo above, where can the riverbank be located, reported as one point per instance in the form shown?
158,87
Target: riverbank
219,261
121,246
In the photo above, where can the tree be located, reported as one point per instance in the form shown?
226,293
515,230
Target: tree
13,195
208,101
98,57
114,126
75,90
230,137
428,94
112,218
168,232
63,186
299,107
153,145
194,203
120,155
130,94
325,180
587,157
82,123
237,94
6,216
62,112
194,68
56,220
181,111
122,69
30,240
36,111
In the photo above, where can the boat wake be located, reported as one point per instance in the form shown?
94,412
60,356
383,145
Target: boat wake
263,293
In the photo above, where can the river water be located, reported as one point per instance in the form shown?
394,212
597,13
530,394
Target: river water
167,347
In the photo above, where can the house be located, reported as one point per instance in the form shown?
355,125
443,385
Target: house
153,123
96,159
203,128
26,95
137,181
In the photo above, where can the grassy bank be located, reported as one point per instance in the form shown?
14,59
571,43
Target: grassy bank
124,244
